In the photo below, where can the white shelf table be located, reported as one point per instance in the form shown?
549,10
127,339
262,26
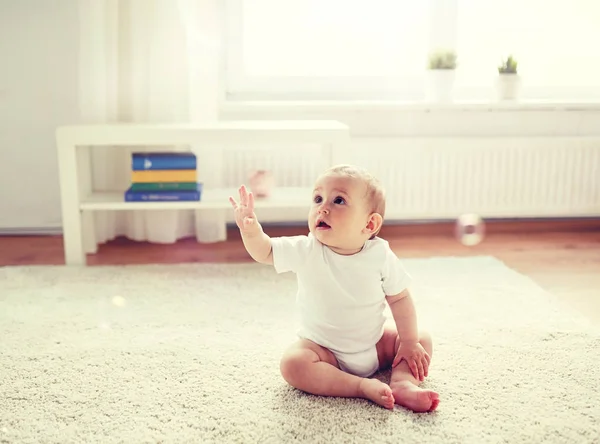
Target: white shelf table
77,197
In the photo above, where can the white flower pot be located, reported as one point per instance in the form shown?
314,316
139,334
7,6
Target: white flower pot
440,85
508,86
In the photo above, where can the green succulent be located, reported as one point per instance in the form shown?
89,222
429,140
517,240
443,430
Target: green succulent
442,59
508,66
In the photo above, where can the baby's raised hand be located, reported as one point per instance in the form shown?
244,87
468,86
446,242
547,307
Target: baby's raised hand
244,211
415,356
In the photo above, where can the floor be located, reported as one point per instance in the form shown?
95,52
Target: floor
561,256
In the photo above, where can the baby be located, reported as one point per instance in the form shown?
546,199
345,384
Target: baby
345,275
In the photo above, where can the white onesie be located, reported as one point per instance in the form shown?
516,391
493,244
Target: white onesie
341,299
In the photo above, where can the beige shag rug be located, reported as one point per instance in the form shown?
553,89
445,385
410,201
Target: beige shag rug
190,353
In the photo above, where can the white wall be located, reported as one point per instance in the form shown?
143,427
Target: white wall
38,92
39,87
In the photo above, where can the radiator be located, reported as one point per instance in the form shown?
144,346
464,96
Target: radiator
298,167
441,178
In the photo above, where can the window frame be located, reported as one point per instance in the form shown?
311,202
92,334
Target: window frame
400,88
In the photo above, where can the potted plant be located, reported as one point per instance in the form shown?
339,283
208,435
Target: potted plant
508,84
441,75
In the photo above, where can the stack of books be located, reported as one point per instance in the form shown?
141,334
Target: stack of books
163,176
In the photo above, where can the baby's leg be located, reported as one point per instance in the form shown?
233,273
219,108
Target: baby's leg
404,385
311,368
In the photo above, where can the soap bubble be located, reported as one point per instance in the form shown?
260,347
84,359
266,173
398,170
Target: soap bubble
119,301
469,229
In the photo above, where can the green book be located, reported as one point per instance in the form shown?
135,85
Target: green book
164,186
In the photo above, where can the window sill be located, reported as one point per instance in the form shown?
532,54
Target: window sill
382,105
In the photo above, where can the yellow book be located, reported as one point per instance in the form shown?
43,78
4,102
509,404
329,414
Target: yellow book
164,176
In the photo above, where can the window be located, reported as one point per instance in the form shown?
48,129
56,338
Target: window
377,49
326,48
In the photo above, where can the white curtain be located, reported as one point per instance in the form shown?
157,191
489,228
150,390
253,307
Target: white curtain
151,61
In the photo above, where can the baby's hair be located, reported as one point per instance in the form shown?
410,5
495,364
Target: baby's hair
375,192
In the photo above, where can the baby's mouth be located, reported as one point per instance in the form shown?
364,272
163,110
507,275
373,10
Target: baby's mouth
322,225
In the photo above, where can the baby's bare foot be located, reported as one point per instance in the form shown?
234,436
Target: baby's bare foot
378,392
415,398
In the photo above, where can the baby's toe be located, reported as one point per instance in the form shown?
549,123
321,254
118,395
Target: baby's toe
387,397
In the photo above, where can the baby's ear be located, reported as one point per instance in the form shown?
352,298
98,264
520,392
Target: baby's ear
374,223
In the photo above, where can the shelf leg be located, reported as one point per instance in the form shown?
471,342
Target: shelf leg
69,193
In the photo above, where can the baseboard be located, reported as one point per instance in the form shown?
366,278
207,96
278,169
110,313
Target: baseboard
446,227
407,227
31,231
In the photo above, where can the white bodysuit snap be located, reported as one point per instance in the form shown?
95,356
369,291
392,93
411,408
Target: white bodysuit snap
341,299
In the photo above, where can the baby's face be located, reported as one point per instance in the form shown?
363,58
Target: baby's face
339,214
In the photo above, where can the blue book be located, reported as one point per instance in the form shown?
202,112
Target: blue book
163,161
163,196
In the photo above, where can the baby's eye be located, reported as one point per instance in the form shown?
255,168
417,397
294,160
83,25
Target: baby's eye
339,201
317,199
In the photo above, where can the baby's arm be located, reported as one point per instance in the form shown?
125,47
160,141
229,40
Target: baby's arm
409,348
405,316
256,241
258,244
